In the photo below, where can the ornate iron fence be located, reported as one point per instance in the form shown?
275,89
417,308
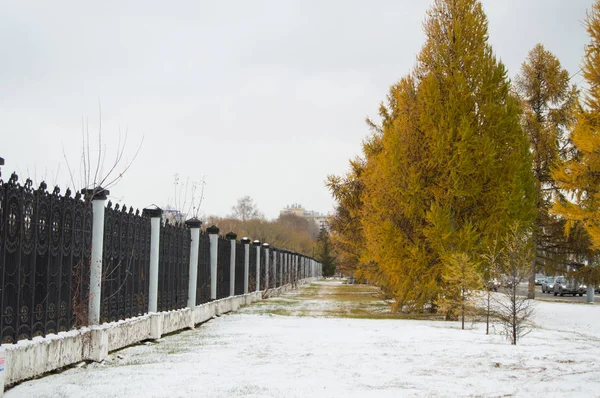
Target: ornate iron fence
173,266
263,268
252,270
277,268
203,280
223,267
281,271
272,254
44,247
239,268
125,264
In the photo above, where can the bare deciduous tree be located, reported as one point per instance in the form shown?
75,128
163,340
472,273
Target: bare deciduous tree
490,263
187,199
246,209
513,310
94,173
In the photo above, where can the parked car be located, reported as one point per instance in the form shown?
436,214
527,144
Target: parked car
539,278
508,281
493,284
548,284
564,286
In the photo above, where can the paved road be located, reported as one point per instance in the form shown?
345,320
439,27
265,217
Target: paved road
550,297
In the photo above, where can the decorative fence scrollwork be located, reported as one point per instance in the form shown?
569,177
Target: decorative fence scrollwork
223,267
44,251
125,267
240,252
203,280
263,268
252,271
173,266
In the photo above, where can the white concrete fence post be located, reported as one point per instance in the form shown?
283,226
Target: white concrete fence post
194,224
256,244
98,196
213,235
246,242
266,247
232,236
155,215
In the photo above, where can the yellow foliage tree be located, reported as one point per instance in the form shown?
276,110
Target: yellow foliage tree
548,113
579,176
454,167
462,284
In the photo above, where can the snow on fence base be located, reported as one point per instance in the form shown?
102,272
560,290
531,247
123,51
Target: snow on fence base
31,358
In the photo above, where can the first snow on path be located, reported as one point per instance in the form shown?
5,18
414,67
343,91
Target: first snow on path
302,345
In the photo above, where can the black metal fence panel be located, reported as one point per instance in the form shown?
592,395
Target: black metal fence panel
239,268
45,248
281,272
263,269
203,280
125,264
223,267
252,272
44,244
272,254
173,267
277,269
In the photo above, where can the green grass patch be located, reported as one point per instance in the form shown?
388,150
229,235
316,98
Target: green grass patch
336,301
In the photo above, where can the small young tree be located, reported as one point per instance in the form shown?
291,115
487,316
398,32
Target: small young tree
94,173
513,310
100,169
187,200
461,285
489,270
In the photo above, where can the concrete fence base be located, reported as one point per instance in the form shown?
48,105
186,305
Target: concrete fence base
31,358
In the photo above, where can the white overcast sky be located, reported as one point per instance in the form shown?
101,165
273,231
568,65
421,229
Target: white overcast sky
263,98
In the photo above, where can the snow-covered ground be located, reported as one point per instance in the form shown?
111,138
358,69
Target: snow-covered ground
298,346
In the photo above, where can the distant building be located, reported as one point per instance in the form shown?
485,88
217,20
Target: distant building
297,210
173,216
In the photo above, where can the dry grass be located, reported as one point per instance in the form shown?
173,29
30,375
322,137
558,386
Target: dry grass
334,300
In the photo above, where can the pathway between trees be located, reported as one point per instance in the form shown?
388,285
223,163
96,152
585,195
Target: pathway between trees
327,339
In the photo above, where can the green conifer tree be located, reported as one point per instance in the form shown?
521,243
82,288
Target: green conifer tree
454,169
548,101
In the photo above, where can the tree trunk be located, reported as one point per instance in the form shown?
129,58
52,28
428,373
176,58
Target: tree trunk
514,318
531,287
487,315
